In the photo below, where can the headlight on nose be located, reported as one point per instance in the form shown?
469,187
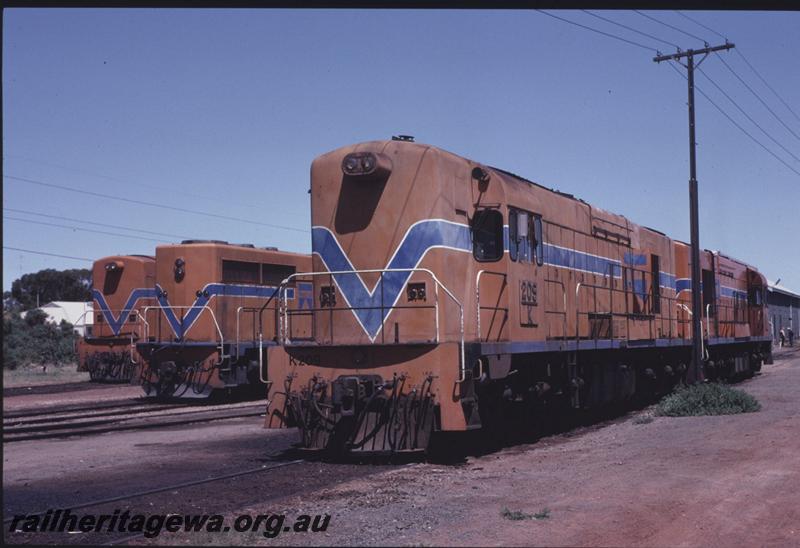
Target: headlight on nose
371,165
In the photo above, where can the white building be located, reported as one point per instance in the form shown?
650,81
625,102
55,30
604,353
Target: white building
79,314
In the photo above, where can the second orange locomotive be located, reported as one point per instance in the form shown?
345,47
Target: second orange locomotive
215,308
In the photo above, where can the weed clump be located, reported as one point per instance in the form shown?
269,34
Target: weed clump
643,419
516,515
707,399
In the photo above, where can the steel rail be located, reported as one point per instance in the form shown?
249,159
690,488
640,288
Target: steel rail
55,410
262,468
145,408
173,418
85,414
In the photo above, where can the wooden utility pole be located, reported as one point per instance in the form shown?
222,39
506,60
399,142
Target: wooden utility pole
695,373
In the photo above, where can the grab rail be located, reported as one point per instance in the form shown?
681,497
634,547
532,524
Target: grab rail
478,296
655,320
239,310
140,320
284,316
221,344
564,312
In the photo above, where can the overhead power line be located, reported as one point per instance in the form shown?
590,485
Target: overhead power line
720,109
608,34
50,216
47,254
696,22
631,29
671,26
735,123
740,54
128,183
770,87
760,100
722,91
150,204
43,223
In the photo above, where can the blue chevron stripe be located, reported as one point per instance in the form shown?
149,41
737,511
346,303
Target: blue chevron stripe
116,323
181,327
366,304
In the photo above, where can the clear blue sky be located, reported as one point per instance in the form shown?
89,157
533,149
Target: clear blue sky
223,111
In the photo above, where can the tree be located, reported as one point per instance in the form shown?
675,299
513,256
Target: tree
10,304
52,285
33,340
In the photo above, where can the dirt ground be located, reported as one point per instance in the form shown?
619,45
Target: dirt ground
698,481
68,472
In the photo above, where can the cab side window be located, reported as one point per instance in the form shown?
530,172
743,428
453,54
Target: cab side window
487,235
525,236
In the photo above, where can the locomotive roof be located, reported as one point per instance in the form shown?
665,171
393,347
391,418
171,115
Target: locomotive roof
131,256
742,263
523,179
528,181
223,242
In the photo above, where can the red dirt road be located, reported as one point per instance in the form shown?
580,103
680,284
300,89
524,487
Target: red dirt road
699,481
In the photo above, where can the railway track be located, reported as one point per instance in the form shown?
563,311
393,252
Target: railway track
57,388
136,414
70,407
163,489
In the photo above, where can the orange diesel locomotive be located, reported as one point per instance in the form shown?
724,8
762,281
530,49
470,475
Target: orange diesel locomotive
733,296
214,299
447,292
122,286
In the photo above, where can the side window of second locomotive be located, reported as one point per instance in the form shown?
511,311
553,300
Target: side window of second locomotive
487,235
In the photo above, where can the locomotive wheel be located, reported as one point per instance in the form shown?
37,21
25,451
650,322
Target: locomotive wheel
167,380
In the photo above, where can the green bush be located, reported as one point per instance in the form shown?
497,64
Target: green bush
34,341
707,399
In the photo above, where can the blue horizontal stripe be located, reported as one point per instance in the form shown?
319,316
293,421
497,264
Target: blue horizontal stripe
634,258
